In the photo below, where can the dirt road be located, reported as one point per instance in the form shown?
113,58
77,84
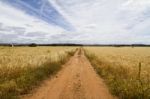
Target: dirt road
77,80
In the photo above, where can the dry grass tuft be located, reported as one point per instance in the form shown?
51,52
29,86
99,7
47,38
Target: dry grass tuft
23,68
125,70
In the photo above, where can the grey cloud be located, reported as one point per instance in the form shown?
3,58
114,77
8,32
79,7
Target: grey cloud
32,39
28,25
1,25
35,34
9,36
12,29
65,36
18,29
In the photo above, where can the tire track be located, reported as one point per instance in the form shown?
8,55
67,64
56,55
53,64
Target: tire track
77,80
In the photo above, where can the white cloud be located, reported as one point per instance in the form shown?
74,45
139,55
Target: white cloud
96,21
11,18
137,5
108,20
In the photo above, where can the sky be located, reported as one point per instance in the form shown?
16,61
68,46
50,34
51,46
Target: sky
75,21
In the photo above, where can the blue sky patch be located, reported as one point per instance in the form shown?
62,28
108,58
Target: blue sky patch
42,9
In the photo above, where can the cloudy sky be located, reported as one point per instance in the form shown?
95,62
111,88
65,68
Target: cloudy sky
75,21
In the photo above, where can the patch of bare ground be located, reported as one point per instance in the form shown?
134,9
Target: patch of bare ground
77,80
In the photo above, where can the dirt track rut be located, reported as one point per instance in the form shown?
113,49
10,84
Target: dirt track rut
77,80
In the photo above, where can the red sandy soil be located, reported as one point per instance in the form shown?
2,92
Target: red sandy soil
77,80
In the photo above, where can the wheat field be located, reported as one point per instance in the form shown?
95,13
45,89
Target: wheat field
125,56
29,56
124,69
23,68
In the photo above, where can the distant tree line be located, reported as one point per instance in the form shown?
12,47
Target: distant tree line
69,44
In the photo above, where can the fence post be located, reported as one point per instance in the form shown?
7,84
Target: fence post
139,74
